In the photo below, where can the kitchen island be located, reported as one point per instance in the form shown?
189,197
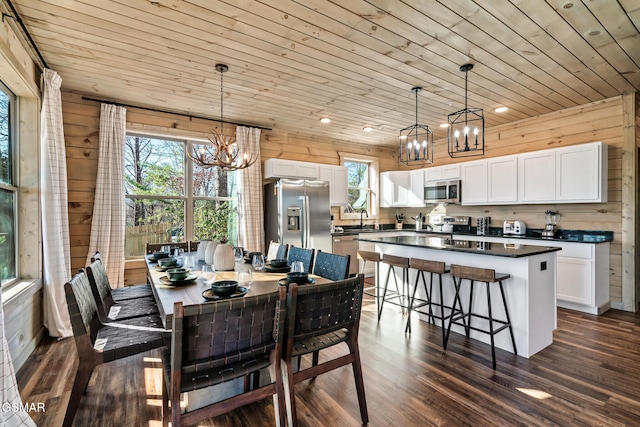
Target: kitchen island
530,291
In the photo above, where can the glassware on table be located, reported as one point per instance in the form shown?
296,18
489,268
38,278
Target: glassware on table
258,262
238,253
189,261
165,248
297,267
208,274
244,277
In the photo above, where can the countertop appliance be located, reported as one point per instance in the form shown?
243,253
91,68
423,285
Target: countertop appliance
483,223
450,221
551,222
513,227
442,192
297,212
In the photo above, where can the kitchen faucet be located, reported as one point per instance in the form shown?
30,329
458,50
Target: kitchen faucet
363,211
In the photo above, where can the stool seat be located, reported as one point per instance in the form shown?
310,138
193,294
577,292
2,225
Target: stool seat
369,256
486,276
396,261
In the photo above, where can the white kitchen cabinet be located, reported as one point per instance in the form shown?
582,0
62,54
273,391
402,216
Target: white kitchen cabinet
442,173
537,177
280,168
394,189
474,182
337,176
416,193
502,180
581,173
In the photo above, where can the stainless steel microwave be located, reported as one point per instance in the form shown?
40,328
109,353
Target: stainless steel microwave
442,192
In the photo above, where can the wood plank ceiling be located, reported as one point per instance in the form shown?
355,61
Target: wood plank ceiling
293,62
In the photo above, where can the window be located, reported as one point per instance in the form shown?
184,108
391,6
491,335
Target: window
8,186
362,186
169,199
358,185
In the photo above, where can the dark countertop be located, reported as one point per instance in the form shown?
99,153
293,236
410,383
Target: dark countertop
446,244
578,236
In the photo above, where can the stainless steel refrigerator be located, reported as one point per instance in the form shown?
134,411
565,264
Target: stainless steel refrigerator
298,213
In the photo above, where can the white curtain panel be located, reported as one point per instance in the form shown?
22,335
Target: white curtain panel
53,200
108,223
250,203
11,412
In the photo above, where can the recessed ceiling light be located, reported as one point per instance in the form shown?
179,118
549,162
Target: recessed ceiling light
501,109
444,125
325,120
367,129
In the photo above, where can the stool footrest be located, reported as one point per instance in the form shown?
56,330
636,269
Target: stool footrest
455,321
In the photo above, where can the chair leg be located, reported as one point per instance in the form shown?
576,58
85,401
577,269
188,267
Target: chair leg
493,347
289,393
506,310
165,404
83,375
384,293
357,374
468,327
279,406
411,300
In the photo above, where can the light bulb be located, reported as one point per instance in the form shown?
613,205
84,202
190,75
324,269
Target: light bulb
466,130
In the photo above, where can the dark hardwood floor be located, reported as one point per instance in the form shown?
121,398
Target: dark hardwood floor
590,376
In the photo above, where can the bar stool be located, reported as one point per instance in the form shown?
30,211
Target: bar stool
372,291
393,262
486,276
433,268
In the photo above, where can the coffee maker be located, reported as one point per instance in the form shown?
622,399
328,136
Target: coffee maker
551,219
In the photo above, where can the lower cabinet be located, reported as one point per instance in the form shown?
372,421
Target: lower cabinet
582,271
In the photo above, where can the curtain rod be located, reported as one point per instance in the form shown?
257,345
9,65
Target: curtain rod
191,116
23,27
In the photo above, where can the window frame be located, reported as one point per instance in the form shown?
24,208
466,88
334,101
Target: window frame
188,198
13,186
373,164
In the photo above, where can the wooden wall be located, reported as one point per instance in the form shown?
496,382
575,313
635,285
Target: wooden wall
599,121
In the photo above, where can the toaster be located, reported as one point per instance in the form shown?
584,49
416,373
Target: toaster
514,228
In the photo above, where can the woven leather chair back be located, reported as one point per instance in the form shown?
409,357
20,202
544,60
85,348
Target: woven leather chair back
99,281
320,309
301,254
332,266
82,307
225,332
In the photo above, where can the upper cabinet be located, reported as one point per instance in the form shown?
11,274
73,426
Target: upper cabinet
394,189
537,177
575,174
581,173
474,176
442,173
280,168
416,188
338,183
502,179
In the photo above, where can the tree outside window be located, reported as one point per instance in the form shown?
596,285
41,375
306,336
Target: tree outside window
8,187
171,200
358,185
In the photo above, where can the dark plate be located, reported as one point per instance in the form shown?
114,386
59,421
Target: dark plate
163,269
210,296
270,269
189,279
285,282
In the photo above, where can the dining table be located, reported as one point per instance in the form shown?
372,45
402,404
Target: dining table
256,283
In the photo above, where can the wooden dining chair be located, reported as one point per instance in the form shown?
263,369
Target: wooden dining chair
108,309
128,292
97,343
213,343
331,266
303,255
277,250
319,317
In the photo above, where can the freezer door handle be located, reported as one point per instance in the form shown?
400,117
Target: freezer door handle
305,222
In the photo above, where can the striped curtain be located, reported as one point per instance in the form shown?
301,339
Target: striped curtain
109,215
250,209
56,266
